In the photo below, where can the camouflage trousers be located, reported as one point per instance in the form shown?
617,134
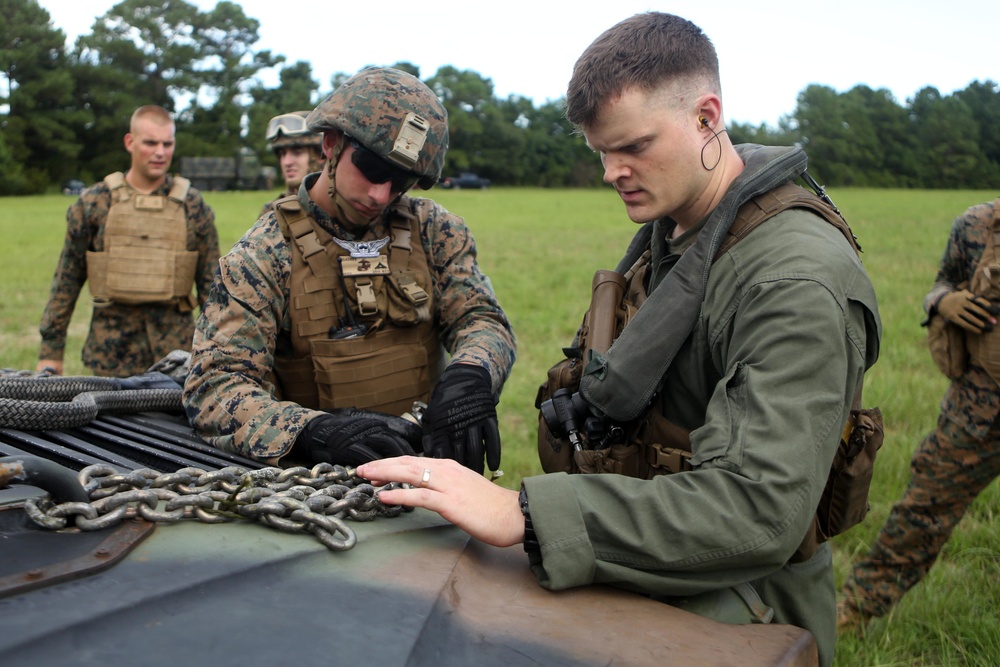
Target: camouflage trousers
127,340
947,472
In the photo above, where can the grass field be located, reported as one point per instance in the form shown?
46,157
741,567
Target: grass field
540,248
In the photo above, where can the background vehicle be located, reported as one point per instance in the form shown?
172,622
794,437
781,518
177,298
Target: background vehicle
240,172
73,186
466,180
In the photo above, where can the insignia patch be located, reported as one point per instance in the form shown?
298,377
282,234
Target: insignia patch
365,266
363,248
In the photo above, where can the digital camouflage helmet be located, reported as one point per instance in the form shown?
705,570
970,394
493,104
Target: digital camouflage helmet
394,115
290,130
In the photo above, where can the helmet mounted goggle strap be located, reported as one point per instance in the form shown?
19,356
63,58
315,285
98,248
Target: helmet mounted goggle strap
289,124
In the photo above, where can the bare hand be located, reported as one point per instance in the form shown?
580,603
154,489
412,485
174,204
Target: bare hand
53,365
488,512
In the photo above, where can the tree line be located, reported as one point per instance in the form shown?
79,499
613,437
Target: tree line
63,110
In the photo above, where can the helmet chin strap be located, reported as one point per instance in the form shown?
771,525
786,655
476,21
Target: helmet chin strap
347,214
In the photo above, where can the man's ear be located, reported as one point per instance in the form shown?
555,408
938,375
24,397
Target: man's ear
330,139
709,114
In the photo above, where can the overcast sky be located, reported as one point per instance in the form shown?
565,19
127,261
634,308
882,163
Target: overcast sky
769,50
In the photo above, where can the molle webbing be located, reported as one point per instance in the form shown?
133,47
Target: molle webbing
313,275
388,367
144,256
766,206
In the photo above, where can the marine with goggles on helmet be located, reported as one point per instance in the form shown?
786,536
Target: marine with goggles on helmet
352,302
299,150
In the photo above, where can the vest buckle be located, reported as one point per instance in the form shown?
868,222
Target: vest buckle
668,458
367,303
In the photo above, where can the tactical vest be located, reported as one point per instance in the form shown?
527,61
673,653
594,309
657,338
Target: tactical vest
145,257
653,445
396,359
984,348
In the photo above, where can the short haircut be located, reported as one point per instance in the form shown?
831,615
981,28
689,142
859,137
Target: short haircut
642,52
155,113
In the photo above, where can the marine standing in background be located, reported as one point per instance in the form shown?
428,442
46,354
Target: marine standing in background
141,240
340,306
299,150
960,458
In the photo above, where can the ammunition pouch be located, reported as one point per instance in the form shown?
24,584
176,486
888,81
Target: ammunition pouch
844,503
132,275
652,445
556,453
946,342
947,345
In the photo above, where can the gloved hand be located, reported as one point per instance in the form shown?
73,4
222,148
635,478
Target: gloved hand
348,439
972,313
460,421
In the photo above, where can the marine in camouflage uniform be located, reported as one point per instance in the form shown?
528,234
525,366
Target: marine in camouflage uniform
231,395
951,466
125,340
285,134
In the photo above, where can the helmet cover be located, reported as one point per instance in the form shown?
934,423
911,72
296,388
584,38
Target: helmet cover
394,115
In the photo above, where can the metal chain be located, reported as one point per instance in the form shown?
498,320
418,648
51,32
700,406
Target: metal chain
294,500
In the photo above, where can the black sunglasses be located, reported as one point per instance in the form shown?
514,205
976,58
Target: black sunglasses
377,170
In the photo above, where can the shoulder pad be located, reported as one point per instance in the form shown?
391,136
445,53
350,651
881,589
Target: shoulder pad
115,180
401,208
290,203
178,191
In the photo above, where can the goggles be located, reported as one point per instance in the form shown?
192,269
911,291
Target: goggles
377,170
289,124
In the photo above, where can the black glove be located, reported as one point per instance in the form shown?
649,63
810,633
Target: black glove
460,421
408,429
349,439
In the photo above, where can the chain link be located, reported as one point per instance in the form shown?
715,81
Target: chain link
313,500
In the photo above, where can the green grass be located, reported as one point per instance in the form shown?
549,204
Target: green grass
540,248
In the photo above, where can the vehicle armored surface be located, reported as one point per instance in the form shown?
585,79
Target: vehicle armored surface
125,539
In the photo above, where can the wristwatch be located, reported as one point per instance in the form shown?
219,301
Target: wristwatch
531,545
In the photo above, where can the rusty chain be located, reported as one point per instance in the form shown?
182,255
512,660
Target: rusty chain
313,500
